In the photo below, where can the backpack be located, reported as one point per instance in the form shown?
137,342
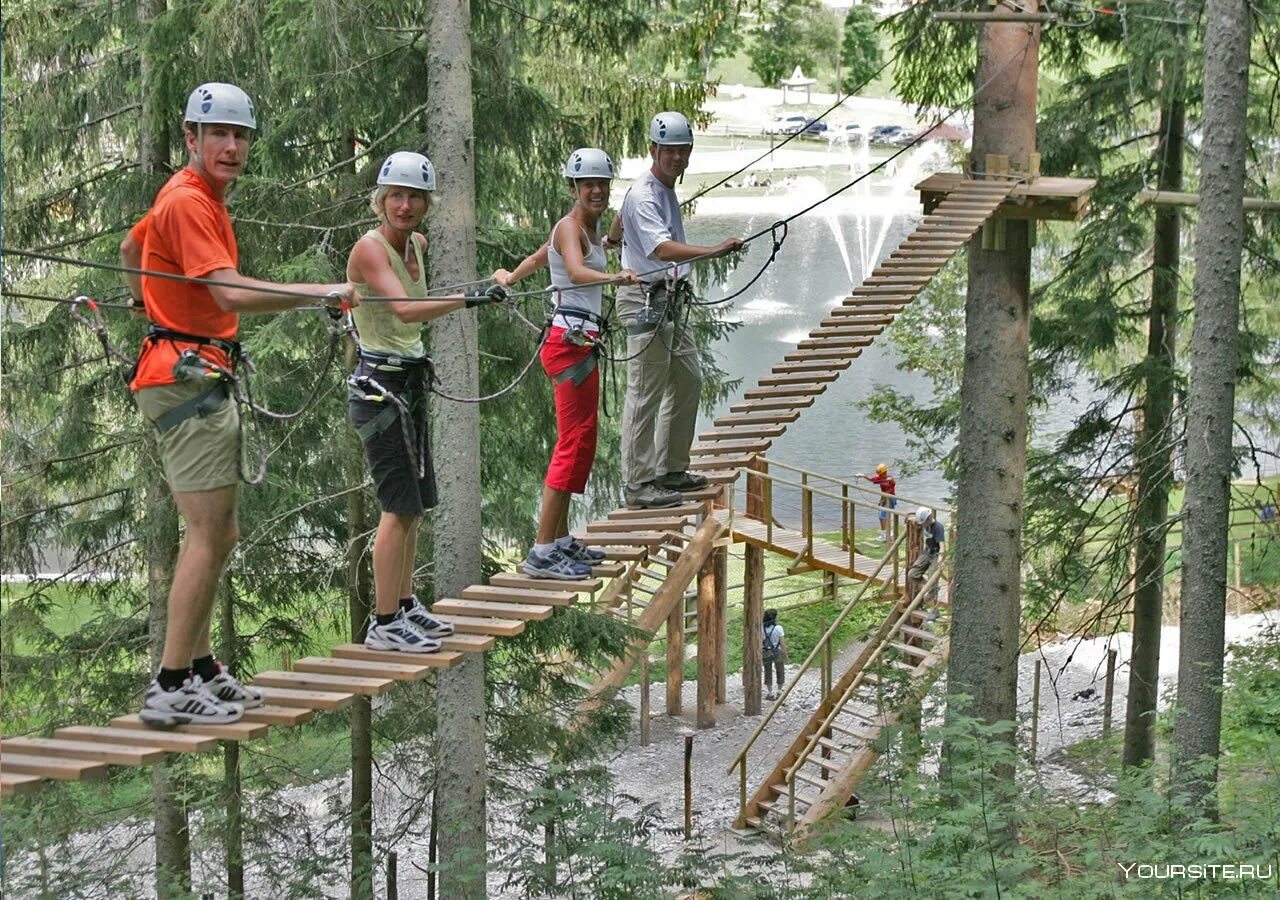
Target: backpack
772,643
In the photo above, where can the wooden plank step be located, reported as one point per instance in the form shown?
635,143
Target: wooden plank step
774,417
525,582
50,767
608,569
811,365
498,594
837,353
522,611
900,262
323,701
97,751
919,652
387,664
708,466
684,510
833,746
892,305
154,737
12,784
467,643
862,316
284,716
621,539
339,684
841,325
724,448
860,734
805,379
902,278
710,492
883,290
656,521
783,391
784,403
919,633
477,626
931,253
819,783
821,342
742,431
627,554
899,664
231,731
783,793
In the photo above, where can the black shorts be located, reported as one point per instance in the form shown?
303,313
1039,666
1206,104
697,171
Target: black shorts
392,464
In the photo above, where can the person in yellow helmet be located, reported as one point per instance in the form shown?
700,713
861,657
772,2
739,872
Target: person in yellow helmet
888,488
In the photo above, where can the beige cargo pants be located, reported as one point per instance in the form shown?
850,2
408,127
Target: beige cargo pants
664,385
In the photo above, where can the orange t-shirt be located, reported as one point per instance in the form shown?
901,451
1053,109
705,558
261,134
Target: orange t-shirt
188,232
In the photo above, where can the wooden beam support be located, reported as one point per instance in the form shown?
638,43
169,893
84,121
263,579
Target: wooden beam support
1186,200
707,643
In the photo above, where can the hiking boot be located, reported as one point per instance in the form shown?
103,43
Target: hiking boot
399,635
554,564
228,689
427,623
191,704
650,496
682,481
581,553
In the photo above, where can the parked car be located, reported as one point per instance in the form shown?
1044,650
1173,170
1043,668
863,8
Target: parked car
785,124
815,128
849,131
902,138
883,134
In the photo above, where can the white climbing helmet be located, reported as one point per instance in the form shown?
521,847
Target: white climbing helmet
588,162
670,128
923,514
223,104
404,168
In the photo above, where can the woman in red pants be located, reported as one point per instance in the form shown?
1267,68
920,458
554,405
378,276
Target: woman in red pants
576,258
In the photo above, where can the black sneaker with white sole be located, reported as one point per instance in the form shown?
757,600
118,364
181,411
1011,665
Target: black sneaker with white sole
427,623
191,704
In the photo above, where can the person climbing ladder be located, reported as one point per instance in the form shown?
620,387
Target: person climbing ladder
576,258
180,385
388,393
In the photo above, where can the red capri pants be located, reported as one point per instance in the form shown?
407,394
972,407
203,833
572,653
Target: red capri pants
577,415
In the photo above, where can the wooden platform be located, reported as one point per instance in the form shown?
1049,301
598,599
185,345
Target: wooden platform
824,555
1065,199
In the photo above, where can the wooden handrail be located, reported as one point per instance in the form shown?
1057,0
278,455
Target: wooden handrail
855,486
789,774
807,664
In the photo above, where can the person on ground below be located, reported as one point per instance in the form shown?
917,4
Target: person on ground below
888,488
576,257
388,393
664,378
932,537
774,654
177,386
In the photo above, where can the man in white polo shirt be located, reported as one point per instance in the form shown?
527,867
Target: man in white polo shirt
664,379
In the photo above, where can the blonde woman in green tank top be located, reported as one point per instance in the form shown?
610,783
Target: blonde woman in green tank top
388,400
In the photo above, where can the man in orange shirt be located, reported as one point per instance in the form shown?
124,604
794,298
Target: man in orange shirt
187,233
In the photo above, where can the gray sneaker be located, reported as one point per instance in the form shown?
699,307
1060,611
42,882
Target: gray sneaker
650,496
682,481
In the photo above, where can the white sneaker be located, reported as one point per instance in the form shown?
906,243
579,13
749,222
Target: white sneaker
880,538
191,704
427,623
400,635
228,689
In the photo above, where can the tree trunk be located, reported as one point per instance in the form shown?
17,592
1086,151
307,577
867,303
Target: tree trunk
1211,398
993,395
232,797
1154,446
172,843
359,593
153,137
460,695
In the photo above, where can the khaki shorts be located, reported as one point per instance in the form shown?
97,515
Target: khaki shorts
199,454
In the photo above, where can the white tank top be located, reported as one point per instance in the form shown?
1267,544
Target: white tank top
576,296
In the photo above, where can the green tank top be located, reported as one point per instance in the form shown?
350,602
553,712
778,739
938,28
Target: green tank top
377,326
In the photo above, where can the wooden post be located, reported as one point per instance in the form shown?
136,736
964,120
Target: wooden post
806,513
1035,714
644,699
1108,689
433,851
844,517
753,597
721,558
1239,578
707,644
675,657
688,786
393,878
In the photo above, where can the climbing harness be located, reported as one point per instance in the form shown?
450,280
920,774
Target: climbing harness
362,386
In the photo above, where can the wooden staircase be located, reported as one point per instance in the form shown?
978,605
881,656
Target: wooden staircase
836,747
